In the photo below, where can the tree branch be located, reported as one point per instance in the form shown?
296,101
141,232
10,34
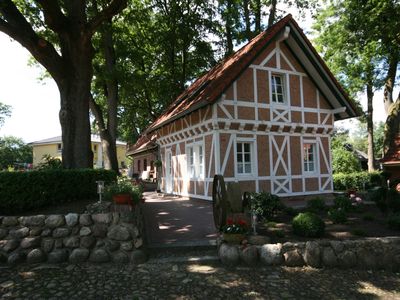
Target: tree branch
53,15
111,10
96,111
17,27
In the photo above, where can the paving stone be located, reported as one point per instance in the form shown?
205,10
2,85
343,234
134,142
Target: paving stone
99,256
57,256
85,231
71,219
85,220
119,233
87,242
33,221
61,232
102,218
10,221
19,233
30,242
79,255
35,256
72,242
9,245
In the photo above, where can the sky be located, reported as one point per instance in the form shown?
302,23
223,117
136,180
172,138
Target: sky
35,104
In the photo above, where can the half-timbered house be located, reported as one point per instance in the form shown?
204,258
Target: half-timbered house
262,117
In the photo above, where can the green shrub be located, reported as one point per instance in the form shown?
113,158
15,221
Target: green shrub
337,215
342,202
308,224
123,186
368,217
316,204
385,199
358,232
22,191
394,221
265,205
357,180
290,211
279,233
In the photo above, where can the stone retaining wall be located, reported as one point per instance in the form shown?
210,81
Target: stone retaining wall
368,253
103,237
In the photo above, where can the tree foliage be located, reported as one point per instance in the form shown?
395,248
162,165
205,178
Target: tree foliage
14,151
5,111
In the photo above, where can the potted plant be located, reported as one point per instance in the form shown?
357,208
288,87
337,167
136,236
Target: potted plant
234,231
123,192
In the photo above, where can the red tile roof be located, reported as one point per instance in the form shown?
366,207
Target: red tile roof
392,157
208,88
144,143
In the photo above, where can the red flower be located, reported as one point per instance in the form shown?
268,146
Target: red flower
229,221
242,222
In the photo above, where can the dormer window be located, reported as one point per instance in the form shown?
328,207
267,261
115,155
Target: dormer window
278,88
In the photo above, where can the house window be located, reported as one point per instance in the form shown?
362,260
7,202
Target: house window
145,165
309,157
243,157
138,165
195,155
278,88
59,147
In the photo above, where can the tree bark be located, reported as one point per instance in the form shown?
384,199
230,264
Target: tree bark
370,128
72,69
272,13
392,127
257,16
228,30
247,19
389,84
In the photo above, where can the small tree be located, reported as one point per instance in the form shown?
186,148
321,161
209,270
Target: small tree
14,150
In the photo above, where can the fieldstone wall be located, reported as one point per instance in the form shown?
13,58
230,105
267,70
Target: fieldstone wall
76,238
368,253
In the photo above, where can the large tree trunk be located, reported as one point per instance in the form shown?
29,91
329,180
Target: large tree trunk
228,30
272,13
247,19
389,84
392,127
257,16
370,129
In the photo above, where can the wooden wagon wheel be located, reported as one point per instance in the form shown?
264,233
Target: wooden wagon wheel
219,201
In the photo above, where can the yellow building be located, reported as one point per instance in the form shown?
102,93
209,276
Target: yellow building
53,147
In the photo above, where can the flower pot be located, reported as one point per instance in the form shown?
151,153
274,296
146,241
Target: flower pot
233,238
122,199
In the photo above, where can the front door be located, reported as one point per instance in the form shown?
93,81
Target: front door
169,183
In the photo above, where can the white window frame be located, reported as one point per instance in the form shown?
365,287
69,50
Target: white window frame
315,157
284,86
252,157
195,160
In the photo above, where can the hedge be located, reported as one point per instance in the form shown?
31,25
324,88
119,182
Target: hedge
21,191
342,181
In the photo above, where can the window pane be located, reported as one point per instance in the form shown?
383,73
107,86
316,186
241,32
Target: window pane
246,147
247,168
247,157
239,147
240,168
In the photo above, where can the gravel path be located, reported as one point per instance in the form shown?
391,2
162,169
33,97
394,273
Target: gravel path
206,280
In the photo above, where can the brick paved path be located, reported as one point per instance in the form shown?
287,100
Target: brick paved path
193,281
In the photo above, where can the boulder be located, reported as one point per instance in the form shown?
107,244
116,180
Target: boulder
85,231
102,218
120,257
293,258
99,230
79,255
85,220
329,258
112,245
61,232
312,254
33,221
19,233
54,221
47,244
271,254
87,242
138,243
347,259
127,246
15,258
35,256
99,256
46,232
9,245
249,255
30,242
229,254
337,246
119,233
57,256
71,242
3,233
71,219
10,221
138,257
35,231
